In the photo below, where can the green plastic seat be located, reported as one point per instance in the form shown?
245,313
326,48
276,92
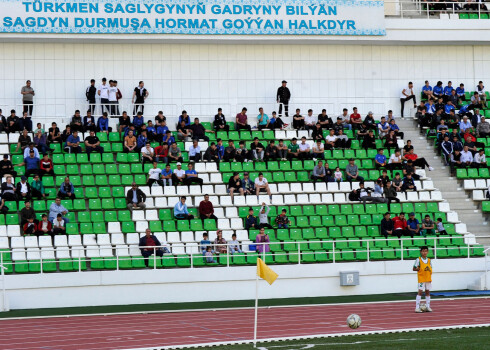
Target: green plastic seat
94,204
79,204
95,158
99,169
127,227
88,180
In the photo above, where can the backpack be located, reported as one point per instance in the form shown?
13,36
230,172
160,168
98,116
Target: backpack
354,196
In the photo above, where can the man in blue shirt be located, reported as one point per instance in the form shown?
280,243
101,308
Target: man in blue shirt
430,108
103,124
221,148
138,120
167,175
413,225
447,90
161,131
380,159
461,93
168,138
72,144
438,91
151,131
55,209
141,141
32,164
263,119
427,90
191,176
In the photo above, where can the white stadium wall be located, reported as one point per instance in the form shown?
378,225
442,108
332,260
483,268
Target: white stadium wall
201,77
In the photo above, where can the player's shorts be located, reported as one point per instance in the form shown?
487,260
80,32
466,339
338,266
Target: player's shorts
424,286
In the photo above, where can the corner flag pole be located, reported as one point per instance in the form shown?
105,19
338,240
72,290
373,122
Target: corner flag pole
256,307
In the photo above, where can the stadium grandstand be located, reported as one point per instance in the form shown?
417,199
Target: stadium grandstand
160,160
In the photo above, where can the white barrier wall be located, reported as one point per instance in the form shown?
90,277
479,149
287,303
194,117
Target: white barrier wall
201,77
234,283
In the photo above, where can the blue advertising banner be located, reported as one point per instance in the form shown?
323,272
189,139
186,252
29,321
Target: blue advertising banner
221,17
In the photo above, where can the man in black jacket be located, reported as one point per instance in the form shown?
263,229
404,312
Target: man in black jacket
148,241
283,97
387,225
135,198
90,94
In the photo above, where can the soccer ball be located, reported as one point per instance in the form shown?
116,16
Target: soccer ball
423,307
354,321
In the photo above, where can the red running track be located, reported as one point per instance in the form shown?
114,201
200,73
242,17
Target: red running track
132,331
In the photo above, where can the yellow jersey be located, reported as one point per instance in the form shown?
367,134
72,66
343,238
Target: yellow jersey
424,274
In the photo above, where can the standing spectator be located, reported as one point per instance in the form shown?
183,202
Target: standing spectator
27,213
57,208
180,210
178,176
247,185
103,124
130,143
23,141
262,185
282,220
135,198
37,188
413,225
27,93
251,222
263,216
140,94
400,225
174,154
235,185
67,190
211,154
92,144
76,122
282,97
167,175
263,242
206,209
352,172
154,175
242,120
72,144
407,95
103,92
220,246
147,154
6,167
191,176
150,245
263,121
428,227
387,226
257,149
304,150
355,119
40,142
195,152
234,245
113,98
90,93
298,120
31,163
54,135
44,227
219,122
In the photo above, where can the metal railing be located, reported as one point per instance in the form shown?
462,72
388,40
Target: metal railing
433,9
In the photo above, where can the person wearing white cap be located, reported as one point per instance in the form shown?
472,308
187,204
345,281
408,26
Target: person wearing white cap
178,176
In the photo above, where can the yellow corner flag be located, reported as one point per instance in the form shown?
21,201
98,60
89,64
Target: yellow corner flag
265,272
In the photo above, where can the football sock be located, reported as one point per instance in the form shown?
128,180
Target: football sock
417,301
427,301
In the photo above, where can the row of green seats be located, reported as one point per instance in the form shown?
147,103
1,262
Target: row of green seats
473,16
471,173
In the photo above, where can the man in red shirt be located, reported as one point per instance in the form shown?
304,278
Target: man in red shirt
400,225
161,153
206,209
242,120
355,119
420,162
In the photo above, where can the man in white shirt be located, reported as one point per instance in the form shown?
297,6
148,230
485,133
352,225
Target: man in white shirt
103,92
310,120
383,128
147,153
480,161
330,140
195,152
262,185
112,96
154,175
346,119
178,176
318,150
31,147
395,161
304,150
466,156
407,95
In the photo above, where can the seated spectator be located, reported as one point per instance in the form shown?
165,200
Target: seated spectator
211,154
205,243
251,222
234,245
103,124
331,140
400,225
427,227
318,151
380,159
37,188
138,121
209,255
6,167
89,122
40,142
263,121
455,161
304,150
235,184
27,213
298,120
475,101
389,193
135,198
352,172
66,189
355,119
12,123
185,118
453,99
427,90
293,149
475,118
178,177
92,144
378,189
195,152
72,144
440,227
282,150
466,157
421,162
466,126
124,122
220,148
329,174
23,141
413,225
191,176
397,182
154,175
161,153
344,119
29,228
438,91
9,190
271,151
152,132
369,123
76,122
483,128
337,175
174,154
230,152
59,225
471,144
29,149
318,173
257,149
277,122
317,134
310,120
408,183
206,209
147,154
442,126
141,140
180,210
387,226
183,134
241,120
384,177
166,176
219,122
31,163
324,120
44,227
343,140
479,160
220,244
282,220
396,129
262,185
130,142
395,161
383,128
148,244
57,208
369,140
198,131
263,242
